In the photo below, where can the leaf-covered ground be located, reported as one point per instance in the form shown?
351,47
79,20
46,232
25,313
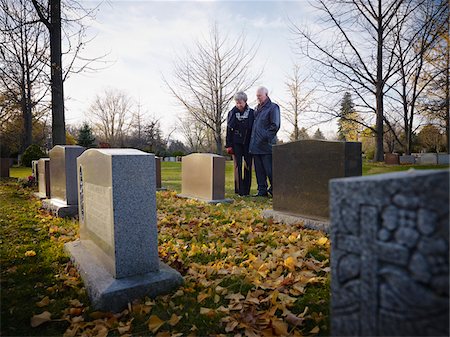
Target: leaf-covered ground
243,275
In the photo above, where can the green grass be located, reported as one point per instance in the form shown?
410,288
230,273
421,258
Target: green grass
378,168
20,172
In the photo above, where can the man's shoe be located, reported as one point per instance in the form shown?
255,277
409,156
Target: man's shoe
260,195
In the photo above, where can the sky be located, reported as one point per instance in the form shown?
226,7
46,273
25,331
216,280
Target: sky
143,38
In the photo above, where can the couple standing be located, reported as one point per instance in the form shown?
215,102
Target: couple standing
250,135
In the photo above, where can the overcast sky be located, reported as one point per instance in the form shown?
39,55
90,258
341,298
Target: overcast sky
143,38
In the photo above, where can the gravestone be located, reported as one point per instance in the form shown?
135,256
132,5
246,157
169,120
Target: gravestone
35,169
63,180
203,177
44,178
428,159
407,159
117,253
301,172
389,254
443,158
158,174
391,158
5,163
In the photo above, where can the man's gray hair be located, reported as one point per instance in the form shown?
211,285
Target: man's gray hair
263,90
240,96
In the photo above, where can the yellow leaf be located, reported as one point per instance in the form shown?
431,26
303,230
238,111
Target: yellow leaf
290,263
154,323
322,241
316,329
174,319
44,302
123,329
280,327
29,253
201,297
37,320
206,311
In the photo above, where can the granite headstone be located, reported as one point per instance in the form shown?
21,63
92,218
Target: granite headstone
44,178
63,180
35,169
391,158
5,163
301,172
117,253
428,159
203,177
443,158
390,254
407,159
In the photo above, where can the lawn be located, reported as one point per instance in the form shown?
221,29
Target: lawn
243,274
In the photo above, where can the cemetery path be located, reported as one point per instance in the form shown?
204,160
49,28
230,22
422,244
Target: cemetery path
243,274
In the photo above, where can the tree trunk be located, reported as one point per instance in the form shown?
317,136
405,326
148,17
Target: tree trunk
218,138
58,120
447,99
379,151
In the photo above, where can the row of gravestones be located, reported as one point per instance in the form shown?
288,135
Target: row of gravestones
389,232
417,158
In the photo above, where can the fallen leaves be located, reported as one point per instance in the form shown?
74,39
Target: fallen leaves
44,302
30,253
42,318
154,323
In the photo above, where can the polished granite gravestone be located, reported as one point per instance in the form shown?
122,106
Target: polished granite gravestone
158,174
407,159
443,159
63,180
44,178
35,169
203,177
301,172
391,159
5,163
117,254
428,159
390,254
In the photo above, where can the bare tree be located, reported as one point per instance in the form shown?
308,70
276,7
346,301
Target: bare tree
299,100
359,56
111,113
23,62
51,15
206,79
194,133
415,40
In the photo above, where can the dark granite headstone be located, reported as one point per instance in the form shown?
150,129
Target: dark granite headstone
158,172
390,254
302,170
5,163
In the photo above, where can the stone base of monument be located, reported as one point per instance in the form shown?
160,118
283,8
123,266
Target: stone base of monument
110,294
219,201
292,219
39,195
60,208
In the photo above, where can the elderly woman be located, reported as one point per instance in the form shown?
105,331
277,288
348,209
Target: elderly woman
239,129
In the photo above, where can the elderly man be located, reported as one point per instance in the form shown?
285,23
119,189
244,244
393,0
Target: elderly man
265,127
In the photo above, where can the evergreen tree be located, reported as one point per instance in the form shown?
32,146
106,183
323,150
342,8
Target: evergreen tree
302,134
348,128
85,136
318,135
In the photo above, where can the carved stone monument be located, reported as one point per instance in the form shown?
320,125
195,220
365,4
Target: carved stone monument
407,159
390,254
63,180
391,158
158,174
203,177
5,163
35,169
117,253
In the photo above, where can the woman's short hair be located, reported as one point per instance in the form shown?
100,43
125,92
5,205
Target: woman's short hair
240,96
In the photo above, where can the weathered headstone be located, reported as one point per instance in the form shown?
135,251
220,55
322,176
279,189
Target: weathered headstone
117,253
35,169
407,159
203,177
63,180
428,159
301,172
44,178
391,158
5,163
443,158
390,254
